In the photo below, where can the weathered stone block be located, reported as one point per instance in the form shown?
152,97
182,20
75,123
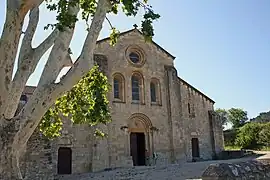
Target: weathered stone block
256,170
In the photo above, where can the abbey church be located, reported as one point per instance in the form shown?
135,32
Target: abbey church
157,117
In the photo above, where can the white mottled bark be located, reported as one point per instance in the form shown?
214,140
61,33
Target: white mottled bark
9,41
27,62
46,94
57,57
23,125
8,48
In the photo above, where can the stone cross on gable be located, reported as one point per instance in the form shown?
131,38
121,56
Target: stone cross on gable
135,26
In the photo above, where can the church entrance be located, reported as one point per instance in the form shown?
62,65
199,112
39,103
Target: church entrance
137,148
64,160
195,148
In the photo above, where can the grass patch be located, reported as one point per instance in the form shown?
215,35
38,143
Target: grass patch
232,148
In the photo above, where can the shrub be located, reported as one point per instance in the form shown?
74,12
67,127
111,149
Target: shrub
248,135
264,135
230,136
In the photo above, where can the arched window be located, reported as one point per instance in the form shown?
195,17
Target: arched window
23,98
155,91
137,87
189,109
118,86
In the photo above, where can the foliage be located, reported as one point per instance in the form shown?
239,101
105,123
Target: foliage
88,7
237,117
264,135
248,135
230,136
85,103
263,117
224,114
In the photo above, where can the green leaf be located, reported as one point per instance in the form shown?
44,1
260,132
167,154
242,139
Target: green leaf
114,36
86,103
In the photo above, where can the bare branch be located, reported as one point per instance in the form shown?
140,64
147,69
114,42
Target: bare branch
29,34
109,22
46,44
46,94
28,60
58,54
9,43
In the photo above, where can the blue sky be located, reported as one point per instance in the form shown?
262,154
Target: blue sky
221,47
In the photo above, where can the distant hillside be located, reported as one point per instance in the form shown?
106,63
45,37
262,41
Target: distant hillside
264,117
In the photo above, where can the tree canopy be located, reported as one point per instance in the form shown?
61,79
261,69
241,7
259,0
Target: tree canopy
263,117
224,114
236,116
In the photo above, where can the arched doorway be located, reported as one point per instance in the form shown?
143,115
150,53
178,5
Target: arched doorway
141,138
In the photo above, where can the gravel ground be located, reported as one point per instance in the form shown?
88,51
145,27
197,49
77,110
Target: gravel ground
185,171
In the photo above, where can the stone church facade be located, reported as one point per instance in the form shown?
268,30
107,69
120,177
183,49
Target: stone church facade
152,110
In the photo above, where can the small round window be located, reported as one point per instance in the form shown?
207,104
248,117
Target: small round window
134,57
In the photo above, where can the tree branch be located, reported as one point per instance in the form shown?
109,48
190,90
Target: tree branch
26,46
46,44
46,94
26,64
109,22
58,54
86,60
9,42
67,61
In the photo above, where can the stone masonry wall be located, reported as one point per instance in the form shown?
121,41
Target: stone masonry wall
88,153
217,132
170,116
195,109
177,131
122,111
37,160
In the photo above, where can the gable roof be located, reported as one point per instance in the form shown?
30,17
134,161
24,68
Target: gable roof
136,30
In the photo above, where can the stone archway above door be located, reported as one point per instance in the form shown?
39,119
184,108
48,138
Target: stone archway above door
140,124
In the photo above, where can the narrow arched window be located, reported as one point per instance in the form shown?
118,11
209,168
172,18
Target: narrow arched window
118,86
189,109
153,92
23,98
135,82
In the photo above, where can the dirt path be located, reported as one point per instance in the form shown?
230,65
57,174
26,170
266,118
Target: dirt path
171,172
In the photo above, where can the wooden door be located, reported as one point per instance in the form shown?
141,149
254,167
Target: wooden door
195,147
64,163
133,148
141,148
